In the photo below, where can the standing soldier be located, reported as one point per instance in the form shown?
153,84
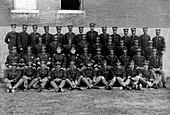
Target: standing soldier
29,57
109,46
119,50
59,57
12,37
124,59
134,37
138,59
58,77
116,37
38,47
111,59
104,36
126,38
61,37
144,39
98,58
70,34
12,78
47,38
34,36
23,40
96,46
134,48
53,45
78,37
92,34
149,49
156,66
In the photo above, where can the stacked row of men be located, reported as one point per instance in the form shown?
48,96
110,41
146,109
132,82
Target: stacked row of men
37,61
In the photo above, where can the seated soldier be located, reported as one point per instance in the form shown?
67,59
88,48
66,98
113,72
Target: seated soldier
68,47
134,48
148,50
119,50
104,75
43,77
29,56
109,46
12,78
73,56
125,59
96,46
29,73
98,58
38,47
58,76
119,75
156,67
111,59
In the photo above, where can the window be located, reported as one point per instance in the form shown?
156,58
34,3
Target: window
25,6
70,4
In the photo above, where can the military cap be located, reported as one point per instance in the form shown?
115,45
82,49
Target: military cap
58,27
145,28
24,25
92,24
80,27
98,49
126,29
13,63
150,42
114,28
58,63
12,48
131,62
70,26
72,63
83,35
158,29
43,47
121,41
46,27
146,62
118,63
13,25
138,50
89,64
104,28
133,29
154,50
136,41
125,49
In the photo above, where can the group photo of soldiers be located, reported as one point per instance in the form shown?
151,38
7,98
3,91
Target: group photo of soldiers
46,61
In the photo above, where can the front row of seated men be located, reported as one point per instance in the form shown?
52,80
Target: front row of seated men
90,75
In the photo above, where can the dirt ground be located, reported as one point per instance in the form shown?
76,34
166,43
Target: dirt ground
87,102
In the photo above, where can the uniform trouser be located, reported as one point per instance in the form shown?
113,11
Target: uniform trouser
55,81
102,79
161,73
84,80
16,84
34,83
121,81
144,82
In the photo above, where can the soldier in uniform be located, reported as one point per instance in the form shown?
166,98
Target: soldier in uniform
82,45
92,34
126,38
70,34
119,50
109,46
12,78
23,40
12,37
96,46
155,65
116,37
73,57
61,37
59,56
111,59
124,59
138,58
78,37
134,48
53,45
58,77
34,36
68,47
104,36
29,56
149,49
45,57
134,37
47,38
38,47
144,38
98,58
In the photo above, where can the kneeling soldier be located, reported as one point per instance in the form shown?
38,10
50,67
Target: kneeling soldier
58,76
12,78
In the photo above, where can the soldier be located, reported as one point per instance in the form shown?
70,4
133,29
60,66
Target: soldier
139,59
144,38
92,34
38,47
73,57
120,76
58,77
98,58
149,49
124,59
59,56
45,57
104,36
159,44
78,37
82,45
96,46
134,37
155,65
29,73
134,48
53,45
109,46
104,75
111,59
116,37
68,47
126,38
11,37
61,37
34,36
29,56
70,34
119,50
47,38
12,78
23,40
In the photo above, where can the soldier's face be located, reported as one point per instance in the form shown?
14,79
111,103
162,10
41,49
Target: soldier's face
40,40
111,53
132,66
72,66
145,31
58,50
73,51
145,67
14,51
43,50
29,51
46,30
69,41
58,30
80,30
118,66
136,43
13,29
121,43
104,30
97,40
35,29
133,32
126,32
98,52
70,29
24,29
92,28
114,31
158,33
154,53
58,66
138,53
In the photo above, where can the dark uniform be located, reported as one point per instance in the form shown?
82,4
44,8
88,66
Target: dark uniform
68,47
104,36
70,34
29,56
45,57
126,38
98,59
109,46
134,37
11,38
58,73
73,58
59,58
61,37
47,38
116,37
38,47
92,34
78,37
85,58
134,48
148,50
111,59
124,59
73,74
138,59
96,46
